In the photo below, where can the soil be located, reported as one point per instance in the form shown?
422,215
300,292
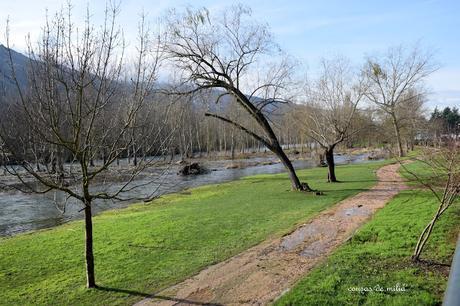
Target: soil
262,273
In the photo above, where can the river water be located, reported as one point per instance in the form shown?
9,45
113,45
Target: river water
25,212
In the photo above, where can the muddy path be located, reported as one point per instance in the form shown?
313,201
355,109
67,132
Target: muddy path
262,273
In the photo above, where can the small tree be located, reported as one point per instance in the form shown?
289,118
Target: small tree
443,180
79,115
232,54
330,108
394,80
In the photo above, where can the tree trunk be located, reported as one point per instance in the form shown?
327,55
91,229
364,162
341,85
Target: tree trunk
398,136
225,141
426,234
233,146
272,143
89,257
295,182
302,144
329,153
208,139
198,140
190,135
134,153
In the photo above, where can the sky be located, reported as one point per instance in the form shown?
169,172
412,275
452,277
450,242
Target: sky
308,30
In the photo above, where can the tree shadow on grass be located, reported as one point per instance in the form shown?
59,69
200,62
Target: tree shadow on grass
362,181
347,189
155,296
286,179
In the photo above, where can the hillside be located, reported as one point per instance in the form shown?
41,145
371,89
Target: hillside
7,84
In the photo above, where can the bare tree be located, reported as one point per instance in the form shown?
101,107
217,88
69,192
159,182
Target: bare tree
231,53
79,109
394,75
331,105
442,179
412,118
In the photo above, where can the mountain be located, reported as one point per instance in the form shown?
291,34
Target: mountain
20,62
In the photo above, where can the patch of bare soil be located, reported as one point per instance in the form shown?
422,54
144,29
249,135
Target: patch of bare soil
262,273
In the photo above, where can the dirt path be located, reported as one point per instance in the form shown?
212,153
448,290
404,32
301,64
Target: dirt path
262,273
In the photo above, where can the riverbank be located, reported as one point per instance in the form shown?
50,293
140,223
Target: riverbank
24,212
216,161
144,248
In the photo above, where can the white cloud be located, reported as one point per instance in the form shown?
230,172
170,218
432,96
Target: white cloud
444,98
445,88
445,79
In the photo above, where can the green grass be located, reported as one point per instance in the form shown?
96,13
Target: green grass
422,171
144,248
378,256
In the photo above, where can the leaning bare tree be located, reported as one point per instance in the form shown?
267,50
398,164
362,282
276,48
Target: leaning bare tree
442,179
330,108
230,54
79,113
392,77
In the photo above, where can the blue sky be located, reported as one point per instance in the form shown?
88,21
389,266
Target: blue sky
308,30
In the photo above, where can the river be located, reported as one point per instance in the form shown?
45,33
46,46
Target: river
25,212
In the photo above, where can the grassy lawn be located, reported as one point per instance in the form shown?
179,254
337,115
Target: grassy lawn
144,248
378,257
